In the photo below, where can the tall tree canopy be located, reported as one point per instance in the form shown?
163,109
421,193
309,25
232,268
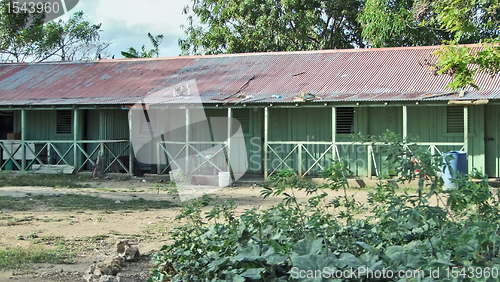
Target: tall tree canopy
232,26
19,33
24,37
76,39
469,19
399,23
433,22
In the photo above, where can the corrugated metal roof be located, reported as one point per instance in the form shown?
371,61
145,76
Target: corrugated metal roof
385,74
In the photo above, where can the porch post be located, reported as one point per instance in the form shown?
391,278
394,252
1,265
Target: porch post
229,127
334,132
23,140
187,141
370,162
266,136
405,122
466,129
130,149
75,138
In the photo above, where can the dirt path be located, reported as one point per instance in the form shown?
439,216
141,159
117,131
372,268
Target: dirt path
90,233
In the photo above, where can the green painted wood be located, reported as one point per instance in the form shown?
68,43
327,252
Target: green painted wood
477,138
23,139
492,123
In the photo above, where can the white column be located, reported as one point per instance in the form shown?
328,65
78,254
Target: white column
266,136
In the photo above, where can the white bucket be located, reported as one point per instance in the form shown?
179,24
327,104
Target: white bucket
224,179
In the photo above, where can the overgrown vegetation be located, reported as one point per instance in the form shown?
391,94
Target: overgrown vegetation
77,202
15,257
32,179
456,239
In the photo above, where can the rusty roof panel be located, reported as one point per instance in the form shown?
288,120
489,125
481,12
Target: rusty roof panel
385,74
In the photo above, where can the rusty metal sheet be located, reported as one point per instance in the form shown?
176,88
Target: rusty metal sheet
385,74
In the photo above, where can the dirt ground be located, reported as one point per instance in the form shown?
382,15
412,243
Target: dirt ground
91,234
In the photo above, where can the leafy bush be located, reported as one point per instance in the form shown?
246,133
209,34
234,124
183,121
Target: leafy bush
449,232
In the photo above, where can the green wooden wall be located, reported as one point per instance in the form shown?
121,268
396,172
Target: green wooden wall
427,123
108,124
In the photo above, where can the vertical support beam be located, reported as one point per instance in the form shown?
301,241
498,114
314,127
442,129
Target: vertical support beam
102,136
405,122
187,141
158,156
130,148
466,129
334,127
76,130
102,165
266,139
370,162
23,140
229,127
299,152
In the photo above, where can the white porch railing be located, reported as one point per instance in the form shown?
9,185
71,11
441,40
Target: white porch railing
185,150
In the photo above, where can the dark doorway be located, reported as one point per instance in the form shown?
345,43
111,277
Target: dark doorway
6,124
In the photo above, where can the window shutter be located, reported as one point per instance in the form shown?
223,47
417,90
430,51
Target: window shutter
64,124
243,116
345,120
455,120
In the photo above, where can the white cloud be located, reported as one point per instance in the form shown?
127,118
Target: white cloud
126,23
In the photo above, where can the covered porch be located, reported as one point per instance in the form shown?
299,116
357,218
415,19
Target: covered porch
73,136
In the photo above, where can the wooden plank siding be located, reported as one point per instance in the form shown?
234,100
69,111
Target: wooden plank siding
292,124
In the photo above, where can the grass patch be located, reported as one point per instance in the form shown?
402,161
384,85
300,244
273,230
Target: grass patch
33,179
16,257
70,202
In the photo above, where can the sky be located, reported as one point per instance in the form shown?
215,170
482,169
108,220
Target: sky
126,23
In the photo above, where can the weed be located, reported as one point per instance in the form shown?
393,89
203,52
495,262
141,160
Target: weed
16,257
33,179
78,202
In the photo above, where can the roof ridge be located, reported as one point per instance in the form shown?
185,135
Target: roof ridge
324,51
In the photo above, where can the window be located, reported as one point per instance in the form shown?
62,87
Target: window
243,116
345,120
455,120
64,122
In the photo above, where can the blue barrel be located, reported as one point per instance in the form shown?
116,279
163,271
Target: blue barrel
457,165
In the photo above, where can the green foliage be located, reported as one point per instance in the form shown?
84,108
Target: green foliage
16,257
24,37
76,39
19,33
463,63
77,202
132,53
43,180
401,23
270,25
417,232
432,22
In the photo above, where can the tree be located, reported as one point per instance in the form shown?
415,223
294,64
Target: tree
271,25
469,19
24,37
398,23
433,22
76,39
19,33
132,53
